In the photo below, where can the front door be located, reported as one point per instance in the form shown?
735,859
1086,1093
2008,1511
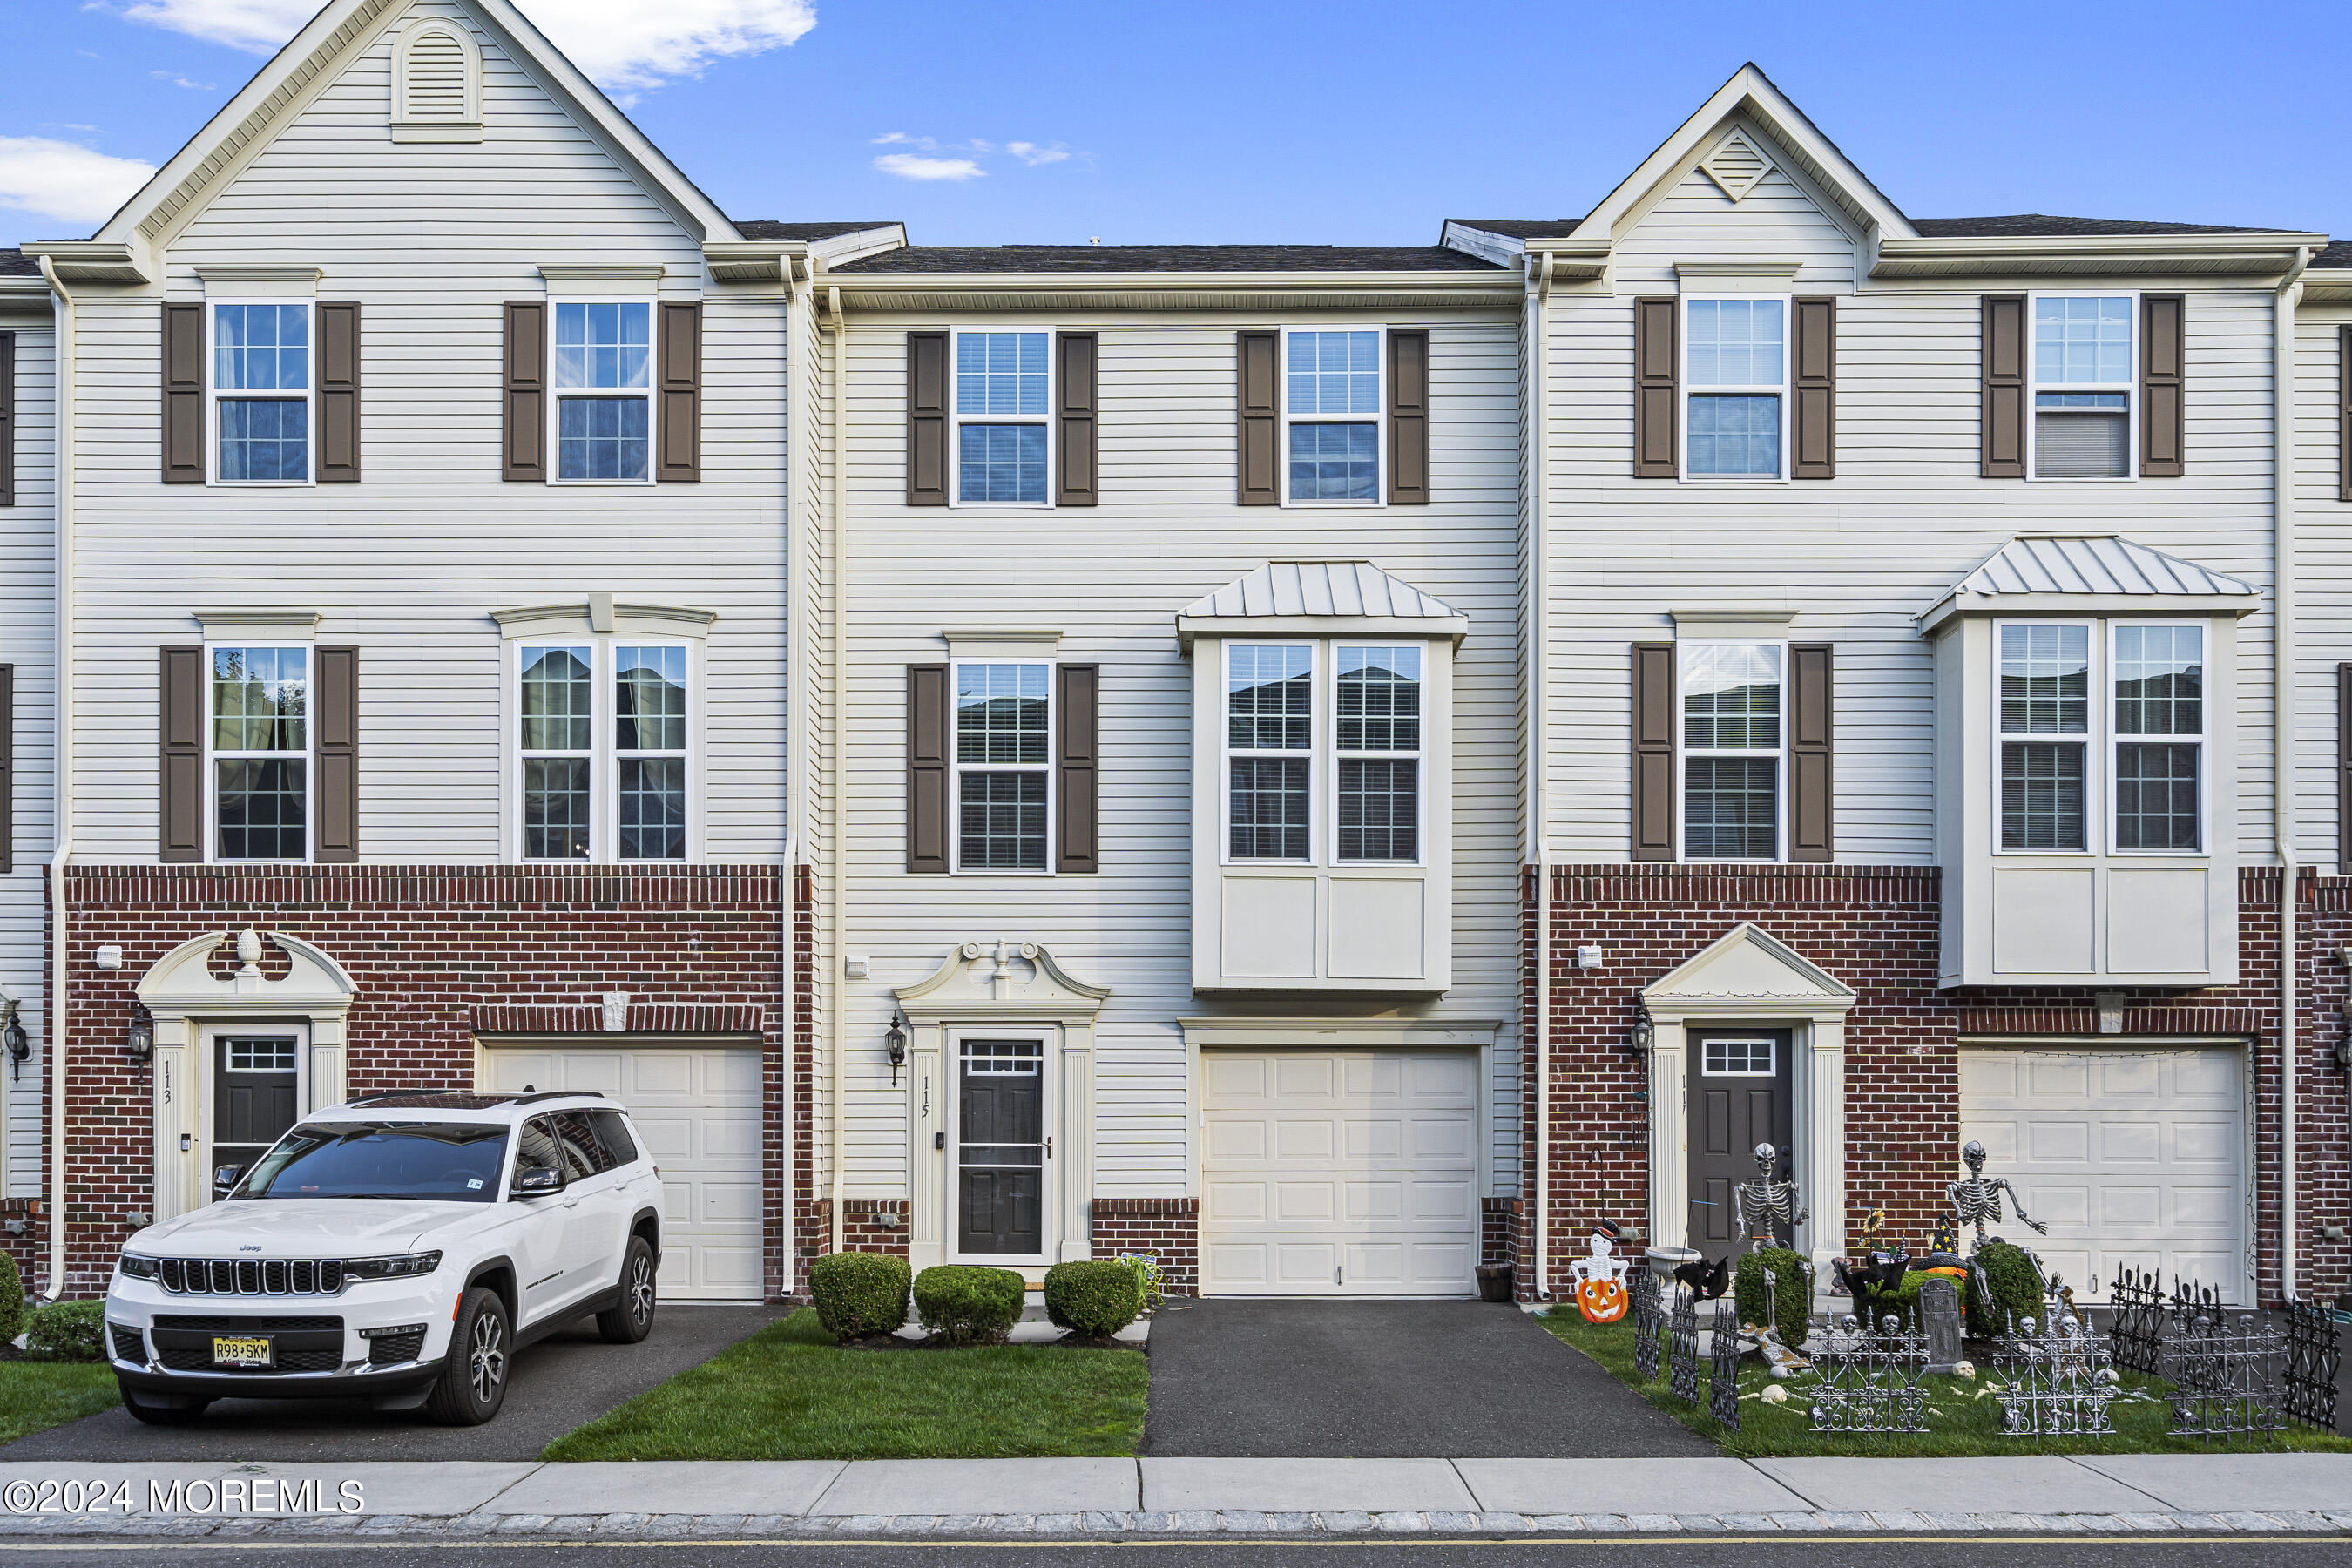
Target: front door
1740,1096
1001,1147
257,1089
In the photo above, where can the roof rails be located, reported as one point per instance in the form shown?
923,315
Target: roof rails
465,1099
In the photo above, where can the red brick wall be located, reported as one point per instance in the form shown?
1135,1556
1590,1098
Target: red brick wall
1168,1227
428,946
809,1237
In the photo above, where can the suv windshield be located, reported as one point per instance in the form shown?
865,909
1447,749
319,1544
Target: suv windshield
450,1161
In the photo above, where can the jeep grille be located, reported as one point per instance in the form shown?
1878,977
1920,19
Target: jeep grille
252,1276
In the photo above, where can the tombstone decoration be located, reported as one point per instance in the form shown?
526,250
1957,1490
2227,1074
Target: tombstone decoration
2057,1380
2225,1378
1763,1208
1649,1319
1601,1276
2135,1333
1723,1366
1681,1369
1977,1201
1871,1378
1941,1321
2315,1354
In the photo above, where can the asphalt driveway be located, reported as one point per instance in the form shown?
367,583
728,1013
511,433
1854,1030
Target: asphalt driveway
1321,1379
568,1378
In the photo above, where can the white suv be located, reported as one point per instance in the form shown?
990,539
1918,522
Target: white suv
398,1249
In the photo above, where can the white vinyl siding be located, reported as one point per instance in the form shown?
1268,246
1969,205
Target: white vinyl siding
27,577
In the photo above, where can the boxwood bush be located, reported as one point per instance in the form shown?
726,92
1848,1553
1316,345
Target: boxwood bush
2016,1287
965,1304
67,1331
1094,1299
858,1294
12,1298
1795,1297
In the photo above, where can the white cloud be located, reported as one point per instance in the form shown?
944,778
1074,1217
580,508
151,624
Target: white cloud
913,166
59,180
1032,154
620,44
177,81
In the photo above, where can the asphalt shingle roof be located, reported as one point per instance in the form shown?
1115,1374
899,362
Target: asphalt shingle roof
2337,255
1171,259
769,228
14,263
2042,226
1521,227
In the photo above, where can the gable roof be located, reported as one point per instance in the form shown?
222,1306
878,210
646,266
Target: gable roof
1294,595
2042,225
1516,227
769,228
1113,258
2088,572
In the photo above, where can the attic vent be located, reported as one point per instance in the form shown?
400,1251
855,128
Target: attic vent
437,94
1736,164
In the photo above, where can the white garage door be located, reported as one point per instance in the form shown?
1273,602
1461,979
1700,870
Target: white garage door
1338,1173
698,1109
2134,1158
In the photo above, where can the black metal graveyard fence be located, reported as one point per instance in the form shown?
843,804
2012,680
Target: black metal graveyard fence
1649,1318
2239,1380
1723,1369
1682,1371
2315,1354
2136,1334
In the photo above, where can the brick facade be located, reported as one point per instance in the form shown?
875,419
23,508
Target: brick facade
1168,1227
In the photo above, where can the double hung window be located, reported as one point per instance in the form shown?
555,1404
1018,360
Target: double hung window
1378,747
260,734
2083,382
2045,693
603,779
261,393
603,375
2160,728
1276,741
1002,398
1733,708
2053,701
1735,370
1331,405
1004,765
1270,751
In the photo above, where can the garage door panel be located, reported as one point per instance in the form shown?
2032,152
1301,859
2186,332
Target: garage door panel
1235,1078
2206,1076
2204,1144
729,1138
1234,1202
1298,1203
1435,1138
1378,1142
1373,1201
1440,1200
1305,1262
2057,1203
1988,1078
2001,1138
657,1073
1235,1141
1304,1078
2058,1142
2122,1207
1313,1140
2136,1078
2203,1208
2066,1077
2131,1142
1240,1263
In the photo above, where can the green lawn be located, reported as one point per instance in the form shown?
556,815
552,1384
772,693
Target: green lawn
1959,1422
36,1395
790,1393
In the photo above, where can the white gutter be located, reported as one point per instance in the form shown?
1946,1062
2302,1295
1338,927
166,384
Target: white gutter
1538,608
2290,290
836,850
61,768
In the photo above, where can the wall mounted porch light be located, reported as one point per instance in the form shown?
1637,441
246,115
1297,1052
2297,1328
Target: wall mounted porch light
894,1043
1645,1032
138,1043
19,1044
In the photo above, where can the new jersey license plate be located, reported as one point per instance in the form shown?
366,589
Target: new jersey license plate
240,1350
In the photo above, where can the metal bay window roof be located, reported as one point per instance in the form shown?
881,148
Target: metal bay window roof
2088,574
1316,597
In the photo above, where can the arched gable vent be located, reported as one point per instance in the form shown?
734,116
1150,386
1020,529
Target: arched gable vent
436,91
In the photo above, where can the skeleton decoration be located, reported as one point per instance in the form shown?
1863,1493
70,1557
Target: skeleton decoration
1763,1208
1976,1200
1600,1277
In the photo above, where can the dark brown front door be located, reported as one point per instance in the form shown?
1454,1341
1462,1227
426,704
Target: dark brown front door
1739,1097
254,1080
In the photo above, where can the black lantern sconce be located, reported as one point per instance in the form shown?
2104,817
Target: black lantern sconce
18,1042
138,1043
1645,1032
2343,1042
894,1043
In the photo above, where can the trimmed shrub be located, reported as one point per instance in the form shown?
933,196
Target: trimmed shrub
66,1330
858,1294
966,1304
12,1298
1902,1300
1794,1298
2016,1287
1094,1298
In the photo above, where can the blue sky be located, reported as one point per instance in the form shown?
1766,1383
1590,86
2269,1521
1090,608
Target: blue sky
1364,124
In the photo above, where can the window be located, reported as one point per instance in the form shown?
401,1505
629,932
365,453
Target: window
1270,746
2159,677
2045,691
1731,739
610,782
1004,765
1001,398
261,393
2082,387
1378,709
259,736
1738,1058
1331,404
267,1053
603,372
1735,364
613,1137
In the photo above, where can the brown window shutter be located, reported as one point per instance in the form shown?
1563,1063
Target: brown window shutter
7,419
335,780
927,421
184,395
2163,319
2343,768
1656,365
1259,356
1813,419
2001,423
678,401
1409,418
8,767
338,394
927,716
1077,765
1075,393
1653,751
181,817
1812,737
2344,414
526,391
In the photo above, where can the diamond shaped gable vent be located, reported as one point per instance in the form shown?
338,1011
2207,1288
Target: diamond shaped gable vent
1736,164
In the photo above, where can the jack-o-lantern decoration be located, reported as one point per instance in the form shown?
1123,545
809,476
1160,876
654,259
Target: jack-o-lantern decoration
1601,1300
1600,1276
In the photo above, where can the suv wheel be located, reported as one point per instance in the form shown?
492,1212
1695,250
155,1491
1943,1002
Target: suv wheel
163,1414
631,1318
473,1382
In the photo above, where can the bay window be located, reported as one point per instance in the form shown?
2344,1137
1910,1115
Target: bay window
1378,700
603,769
2055,695
1270,750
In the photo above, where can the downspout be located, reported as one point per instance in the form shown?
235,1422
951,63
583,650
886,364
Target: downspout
2282,663
1537,611
837,852
61,768
799,342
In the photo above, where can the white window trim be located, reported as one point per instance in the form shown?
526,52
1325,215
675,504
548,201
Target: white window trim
958,419
1049,1202
2129,387
1684,389
1419,756
1378,418
212,857
2202,739
1683,752
604,768
2093,741
215,394
1318,748
556,395
956,768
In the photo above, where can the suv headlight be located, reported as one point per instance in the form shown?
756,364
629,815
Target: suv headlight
137,1267
406,1266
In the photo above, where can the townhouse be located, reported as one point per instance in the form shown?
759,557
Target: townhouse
1016,753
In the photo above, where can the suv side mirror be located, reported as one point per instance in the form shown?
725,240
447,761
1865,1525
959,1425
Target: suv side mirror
224,1180
536,1181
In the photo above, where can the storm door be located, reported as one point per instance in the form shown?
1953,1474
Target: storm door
1002,1148
257,1093
1740,1095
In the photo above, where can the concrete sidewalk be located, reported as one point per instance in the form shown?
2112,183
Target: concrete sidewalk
1065,1498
